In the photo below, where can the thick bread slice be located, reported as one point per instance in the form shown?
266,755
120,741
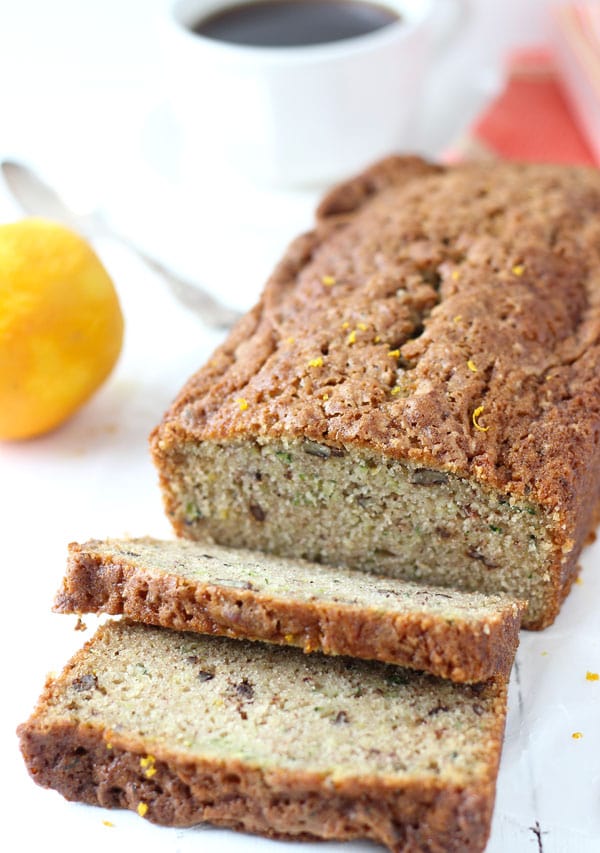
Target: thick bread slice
203,587
183,729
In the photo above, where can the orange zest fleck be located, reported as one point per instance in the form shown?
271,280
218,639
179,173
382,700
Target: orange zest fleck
394,353
457,319
577,735
592,676
518,269
377,339
362,326
142,808
351,339
147,764
471,365
290,340
476,415
328,280
325,397
242,403
346,325
455,275
107,823
316,362
395,390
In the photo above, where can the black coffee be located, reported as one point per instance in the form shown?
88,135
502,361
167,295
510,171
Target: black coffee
293,23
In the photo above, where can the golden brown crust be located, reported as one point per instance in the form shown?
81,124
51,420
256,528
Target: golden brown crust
92,765
532,335
348,196
427,303
458,650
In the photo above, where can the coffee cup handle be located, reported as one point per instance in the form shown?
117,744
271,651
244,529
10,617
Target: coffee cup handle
453,14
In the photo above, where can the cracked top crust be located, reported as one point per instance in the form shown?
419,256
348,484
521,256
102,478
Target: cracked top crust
446,315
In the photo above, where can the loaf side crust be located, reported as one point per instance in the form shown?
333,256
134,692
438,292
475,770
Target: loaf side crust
420,818
111,578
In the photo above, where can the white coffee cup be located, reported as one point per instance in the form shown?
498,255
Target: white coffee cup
300,116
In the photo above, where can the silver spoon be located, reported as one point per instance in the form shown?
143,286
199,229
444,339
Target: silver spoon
38,199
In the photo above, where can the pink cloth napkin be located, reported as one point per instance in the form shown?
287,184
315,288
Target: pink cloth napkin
549,110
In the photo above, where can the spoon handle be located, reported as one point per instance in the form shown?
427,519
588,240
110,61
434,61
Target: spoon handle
38,199
212,312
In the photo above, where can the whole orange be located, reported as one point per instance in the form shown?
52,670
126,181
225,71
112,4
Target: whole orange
61,326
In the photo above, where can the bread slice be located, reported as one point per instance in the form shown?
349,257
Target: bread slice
184,728
417,392
203,587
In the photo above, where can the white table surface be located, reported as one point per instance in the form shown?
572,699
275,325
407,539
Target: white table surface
81,99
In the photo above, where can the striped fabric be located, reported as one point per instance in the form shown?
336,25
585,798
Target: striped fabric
576,36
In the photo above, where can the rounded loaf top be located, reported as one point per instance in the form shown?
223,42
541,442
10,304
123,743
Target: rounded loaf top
449,316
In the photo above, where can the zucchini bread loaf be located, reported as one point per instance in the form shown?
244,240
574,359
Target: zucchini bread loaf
417,391
184,729
464,636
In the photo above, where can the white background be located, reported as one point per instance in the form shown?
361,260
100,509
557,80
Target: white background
81,98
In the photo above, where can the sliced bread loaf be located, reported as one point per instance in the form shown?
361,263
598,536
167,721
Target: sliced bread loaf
417,392
185,729
203,587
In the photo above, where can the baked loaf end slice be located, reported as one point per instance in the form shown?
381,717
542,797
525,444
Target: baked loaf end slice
184,728
466,637
417,392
